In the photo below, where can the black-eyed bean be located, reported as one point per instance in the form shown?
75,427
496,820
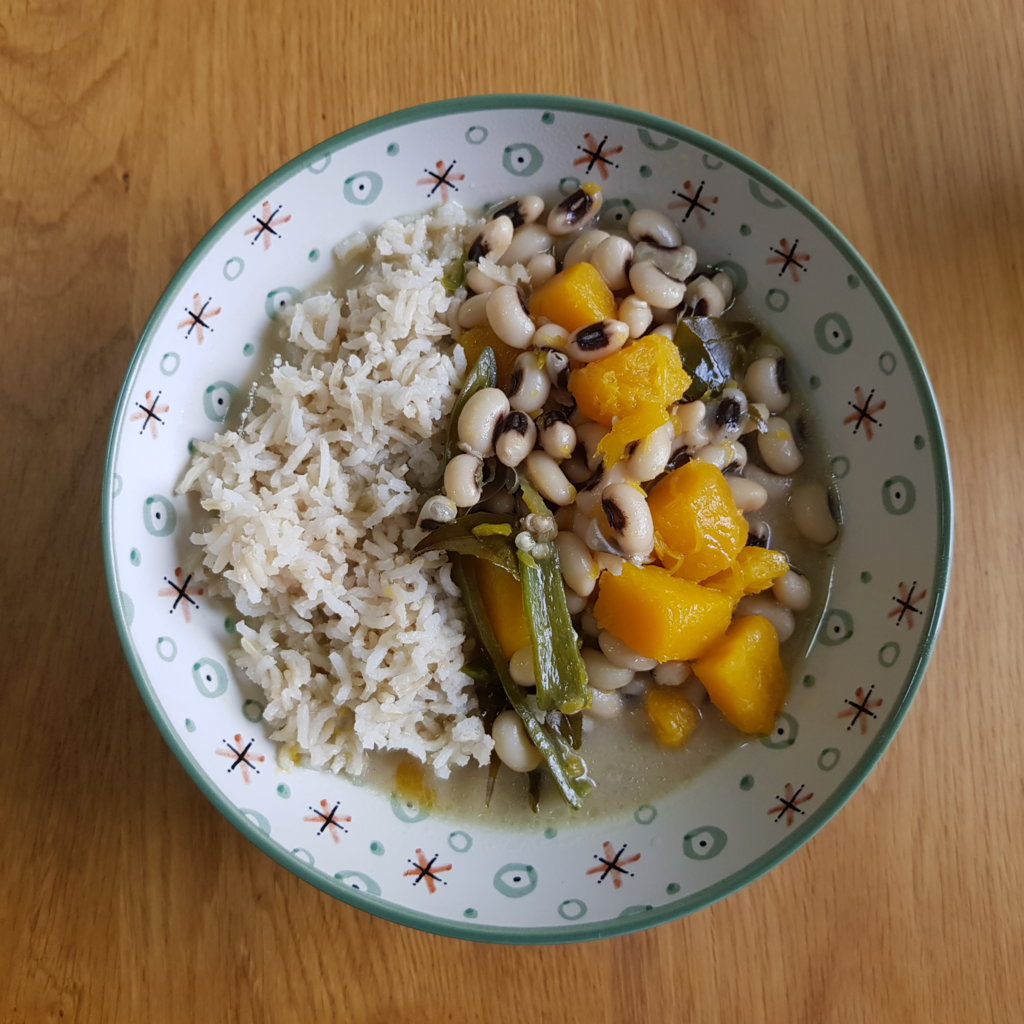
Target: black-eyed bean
655,228
583,247
622,655
590,436
781,618
556,366
463,480
541,268
748,495
611,258
526,243
723,455
548,478
704,298
605,704
579,570
436,511
493,240
576,210
602,674
650,283
651,455
588,498
778,447
574,603
576,470
759,533
479,420
522,210
636,315
809,507
607,562
667,330
723,282
512,744
597,340
765,382
776,486
508,317
520,667
672,673
473,312
550,336
679,263
530,386
516,438
588,625
689,417
557,435
628,517
792,590
480,282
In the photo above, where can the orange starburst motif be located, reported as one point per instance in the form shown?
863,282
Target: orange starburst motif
267,224
178,588
789,259
329,820
861,708
595,155
442,179
242,757
789,804
199,317
613,864
428,871
150,413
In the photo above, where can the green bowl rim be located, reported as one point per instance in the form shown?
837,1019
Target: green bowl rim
793,840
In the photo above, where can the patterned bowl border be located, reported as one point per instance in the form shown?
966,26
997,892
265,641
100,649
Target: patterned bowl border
356,887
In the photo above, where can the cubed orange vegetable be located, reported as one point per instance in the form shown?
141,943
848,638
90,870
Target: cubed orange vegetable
698,530
673,718
502,598
476,339
573,298
743,674
634,426
755,569
660,615
649,371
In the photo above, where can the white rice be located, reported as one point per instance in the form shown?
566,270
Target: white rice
356,644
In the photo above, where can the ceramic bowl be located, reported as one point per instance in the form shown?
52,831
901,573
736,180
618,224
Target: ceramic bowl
658,856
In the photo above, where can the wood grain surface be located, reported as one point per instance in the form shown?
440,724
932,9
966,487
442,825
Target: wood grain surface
126,128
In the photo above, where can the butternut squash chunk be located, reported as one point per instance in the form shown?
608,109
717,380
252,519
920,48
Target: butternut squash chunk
647,372
673,718
660,615
743,674
698,530
502,597
754,570
573,298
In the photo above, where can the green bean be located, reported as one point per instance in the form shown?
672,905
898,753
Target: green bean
567,767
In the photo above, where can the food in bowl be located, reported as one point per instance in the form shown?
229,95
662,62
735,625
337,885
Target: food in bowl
517,474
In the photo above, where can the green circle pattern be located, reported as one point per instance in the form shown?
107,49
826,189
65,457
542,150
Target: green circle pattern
522,159
515,880
572,910
705,842
899,495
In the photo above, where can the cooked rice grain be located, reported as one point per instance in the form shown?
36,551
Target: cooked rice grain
312,507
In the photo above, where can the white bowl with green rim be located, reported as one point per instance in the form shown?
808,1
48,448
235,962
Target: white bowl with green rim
658,856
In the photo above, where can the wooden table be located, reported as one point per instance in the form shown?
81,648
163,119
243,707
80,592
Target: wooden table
127,128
